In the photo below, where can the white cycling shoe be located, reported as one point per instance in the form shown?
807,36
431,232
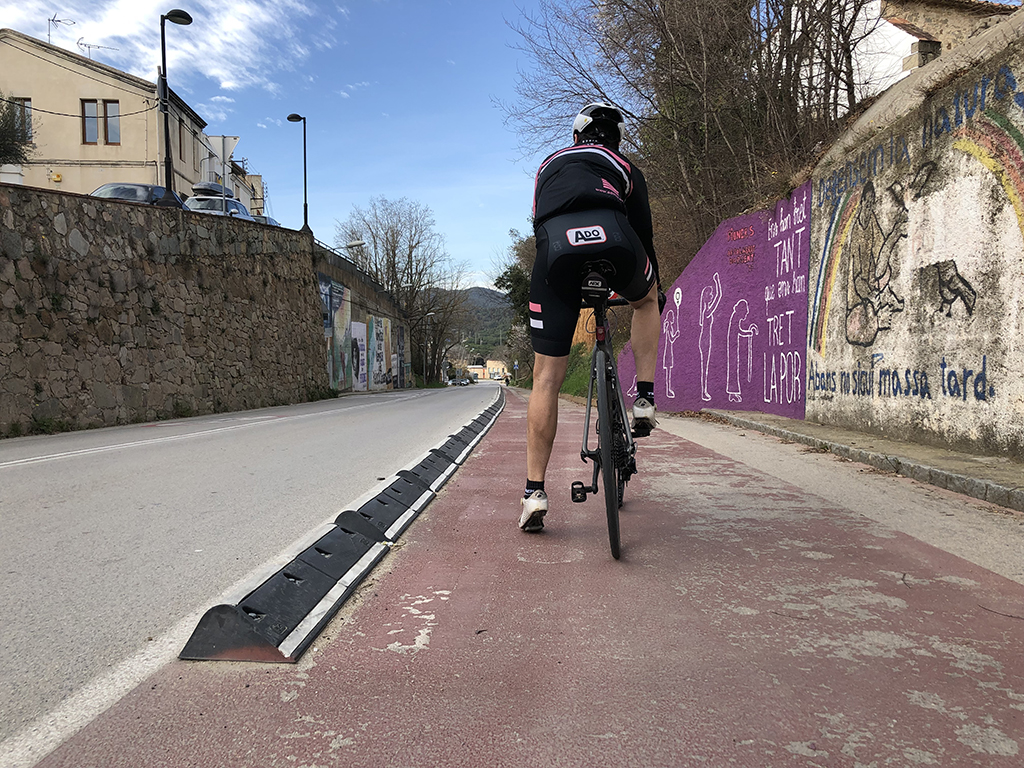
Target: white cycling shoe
644,420
535,506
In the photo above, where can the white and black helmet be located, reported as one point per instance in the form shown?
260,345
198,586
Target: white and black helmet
600,115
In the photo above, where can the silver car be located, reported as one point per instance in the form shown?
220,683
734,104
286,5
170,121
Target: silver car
218,206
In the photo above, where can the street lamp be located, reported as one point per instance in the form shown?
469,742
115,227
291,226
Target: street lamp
176,16
296,118
426,340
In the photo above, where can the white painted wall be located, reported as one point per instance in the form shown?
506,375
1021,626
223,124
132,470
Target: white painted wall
917,257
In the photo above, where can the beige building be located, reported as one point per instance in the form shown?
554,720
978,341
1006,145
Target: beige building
946,22
92,124
494,369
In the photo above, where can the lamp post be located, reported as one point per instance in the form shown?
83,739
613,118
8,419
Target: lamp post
296,118
176,16
426,340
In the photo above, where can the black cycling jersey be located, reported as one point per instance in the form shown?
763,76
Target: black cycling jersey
588,176
589,204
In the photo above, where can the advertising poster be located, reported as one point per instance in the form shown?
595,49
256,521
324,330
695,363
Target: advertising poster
400,365
359,373
325,298
341,348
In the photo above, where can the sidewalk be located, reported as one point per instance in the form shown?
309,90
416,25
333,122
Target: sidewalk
993,479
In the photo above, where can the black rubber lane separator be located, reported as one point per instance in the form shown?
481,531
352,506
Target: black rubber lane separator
277,619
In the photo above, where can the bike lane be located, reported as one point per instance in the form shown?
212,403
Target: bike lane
746,624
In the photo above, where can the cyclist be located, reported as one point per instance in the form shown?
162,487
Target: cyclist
589,204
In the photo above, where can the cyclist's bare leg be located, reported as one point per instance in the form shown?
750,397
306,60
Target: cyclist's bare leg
542,412
644,334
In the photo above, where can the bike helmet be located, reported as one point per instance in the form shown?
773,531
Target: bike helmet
600,120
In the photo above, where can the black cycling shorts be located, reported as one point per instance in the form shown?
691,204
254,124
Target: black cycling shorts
564,245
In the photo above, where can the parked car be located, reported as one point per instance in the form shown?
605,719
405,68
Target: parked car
218,206
267,220
149,194
213,198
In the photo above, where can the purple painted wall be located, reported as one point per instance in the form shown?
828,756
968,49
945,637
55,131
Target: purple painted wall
734,330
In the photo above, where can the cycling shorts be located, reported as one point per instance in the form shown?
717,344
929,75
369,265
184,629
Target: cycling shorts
564,245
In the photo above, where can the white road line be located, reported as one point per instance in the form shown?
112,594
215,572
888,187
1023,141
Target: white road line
250,422
47,732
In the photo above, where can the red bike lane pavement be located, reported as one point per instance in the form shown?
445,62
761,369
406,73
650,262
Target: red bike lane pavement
746,624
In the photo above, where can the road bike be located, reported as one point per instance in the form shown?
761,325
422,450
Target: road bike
614,458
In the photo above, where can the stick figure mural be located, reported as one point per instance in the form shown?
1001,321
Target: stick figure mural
710,297
737,335
734,327
669,334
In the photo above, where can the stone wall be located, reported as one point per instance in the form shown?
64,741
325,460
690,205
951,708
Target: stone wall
114,312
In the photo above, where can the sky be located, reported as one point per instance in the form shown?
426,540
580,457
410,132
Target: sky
399,99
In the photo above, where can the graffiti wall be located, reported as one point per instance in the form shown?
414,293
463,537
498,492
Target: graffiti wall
917,271
361,356
734,327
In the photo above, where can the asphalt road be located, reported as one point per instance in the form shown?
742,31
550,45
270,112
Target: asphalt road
116,540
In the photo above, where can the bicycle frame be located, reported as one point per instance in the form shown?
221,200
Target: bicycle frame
603,343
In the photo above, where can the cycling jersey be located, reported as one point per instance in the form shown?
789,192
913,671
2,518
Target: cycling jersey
589,203
587,176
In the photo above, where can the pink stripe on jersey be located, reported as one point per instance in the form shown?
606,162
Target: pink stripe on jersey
586,148
534,307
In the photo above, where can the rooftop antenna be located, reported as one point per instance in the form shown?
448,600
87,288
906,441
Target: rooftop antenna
88,46
51,24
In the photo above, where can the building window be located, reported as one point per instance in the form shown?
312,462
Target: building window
23,119
111,122
181,140
195,151
90,122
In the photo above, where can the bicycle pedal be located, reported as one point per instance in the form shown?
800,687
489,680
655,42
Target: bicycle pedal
642,430
579,492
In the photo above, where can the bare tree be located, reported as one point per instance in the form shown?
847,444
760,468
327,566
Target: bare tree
407,256
727,98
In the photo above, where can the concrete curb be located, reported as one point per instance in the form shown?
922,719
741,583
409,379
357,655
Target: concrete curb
985,490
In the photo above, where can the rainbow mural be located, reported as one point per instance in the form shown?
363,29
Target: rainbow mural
999,146
843,215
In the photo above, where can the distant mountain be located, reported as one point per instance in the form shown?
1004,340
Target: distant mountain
490,317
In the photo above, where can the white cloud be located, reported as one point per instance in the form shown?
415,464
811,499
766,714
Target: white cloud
223,100
238,44
213,113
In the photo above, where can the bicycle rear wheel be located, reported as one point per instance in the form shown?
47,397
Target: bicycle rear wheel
606,435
